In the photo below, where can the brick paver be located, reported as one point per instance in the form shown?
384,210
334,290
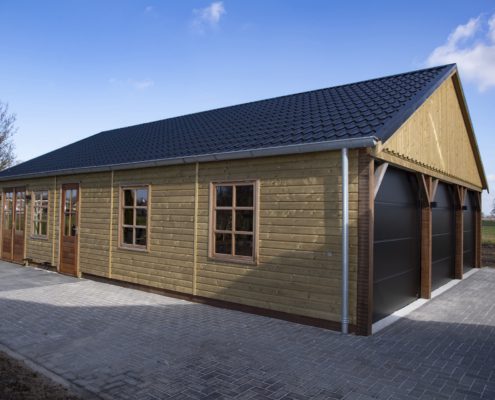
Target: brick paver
128,344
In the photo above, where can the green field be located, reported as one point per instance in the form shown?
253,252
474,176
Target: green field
488,232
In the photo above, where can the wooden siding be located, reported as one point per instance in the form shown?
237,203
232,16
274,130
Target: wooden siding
168,264
299,266
435,141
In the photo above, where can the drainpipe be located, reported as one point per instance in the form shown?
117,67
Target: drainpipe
345,241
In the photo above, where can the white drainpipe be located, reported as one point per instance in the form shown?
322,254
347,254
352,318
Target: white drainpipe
345,241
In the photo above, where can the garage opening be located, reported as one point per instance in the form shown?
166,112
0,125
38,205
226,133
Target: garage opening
443,236
397,270
468,237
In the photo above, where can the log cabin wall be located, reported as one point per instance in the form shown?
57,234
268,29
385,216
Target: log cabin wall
299,266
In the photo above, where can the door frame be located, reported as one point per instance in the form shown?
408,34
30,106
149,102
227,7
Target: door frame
63,188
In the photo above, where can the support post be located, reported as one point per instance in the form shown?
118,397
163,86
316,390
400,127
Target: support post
426,185
477,227
366,203
345,241
460,194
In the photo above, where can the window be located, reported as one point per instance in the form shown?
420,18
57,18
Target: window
134,217
40,213
7,210
20,210
71,197
234,221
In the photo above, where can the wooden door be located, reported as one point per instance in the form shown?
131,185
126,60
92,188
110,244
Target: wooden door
7,224
69,228
19,224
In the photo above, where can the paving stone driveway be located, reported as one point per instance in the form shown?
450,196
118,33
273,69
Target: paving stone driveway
127,344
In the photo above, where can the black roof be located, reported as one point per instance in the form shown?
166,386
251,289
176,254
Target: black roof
370,109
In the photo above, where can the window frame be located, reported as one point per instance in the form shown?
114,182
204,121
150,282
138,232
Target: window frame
250,260
127,246
33,214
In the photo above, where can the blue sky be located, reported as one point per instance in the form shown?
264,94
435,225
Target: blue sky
70,69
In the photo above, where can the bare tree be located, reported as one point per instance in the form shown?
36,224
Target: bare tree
7,131
492,212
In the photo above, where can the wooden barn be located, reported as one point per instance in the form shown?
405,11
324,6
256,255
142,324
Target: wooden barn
333,207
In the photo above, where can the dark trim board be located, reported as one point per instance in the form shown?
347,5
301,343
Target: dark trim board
299,319
366,196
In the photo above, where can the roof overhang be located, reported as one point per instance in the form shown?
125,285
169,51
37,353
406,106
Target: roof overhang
350,143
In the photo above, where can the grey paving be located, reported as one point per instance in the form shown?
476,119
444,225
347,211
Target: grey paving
127,344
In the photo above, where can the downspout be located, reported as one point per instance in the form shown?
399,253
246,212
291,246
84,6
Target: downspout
345,241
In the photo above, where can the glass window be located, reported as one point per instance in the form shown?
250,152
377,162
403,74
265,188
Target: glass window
7,210
134,217
234,214
40,213
20,210
70,212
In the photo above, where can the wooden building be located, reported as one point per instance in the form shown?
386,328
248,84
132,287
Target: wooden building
245,206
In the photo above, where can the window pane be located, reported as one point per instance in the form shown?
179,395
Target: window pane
224,196
73,227
36,228
129,197
141,236
141,216
67,200
244,196
244,245
128,216
74,200
224,220
8,220
244,220
127,235
44,214
223,243
43,228
142,197
44,196
67,224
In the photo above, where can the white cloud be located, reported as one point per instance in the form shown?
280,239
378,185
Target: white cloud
140,84
472,47
207,17
490,177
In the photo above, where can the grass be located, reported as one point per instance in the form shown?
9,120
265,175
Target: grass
488,232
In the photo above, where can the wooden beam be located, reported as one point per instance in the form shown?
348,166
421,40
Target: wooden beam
379,174
477,234
426,189
366,196
434,189
459,232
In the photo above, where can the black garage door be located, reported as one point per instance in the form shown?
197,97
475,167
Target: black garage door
468,239
443,237
396,280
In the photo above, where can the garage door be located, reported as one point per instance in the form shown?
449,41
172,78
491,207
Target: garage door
396,280
468,239
443,237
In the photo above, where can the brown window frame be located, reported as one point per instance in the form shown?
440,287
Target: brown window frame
122,207
212,225
33,212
